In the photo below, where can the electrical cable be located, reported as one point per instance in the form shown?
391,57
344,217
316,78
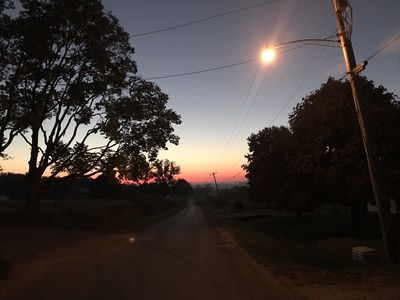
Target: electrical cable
233,64
285,105
238,117
291,98
251,106
377,52
234,131
204,70
281,110
383,48
205,19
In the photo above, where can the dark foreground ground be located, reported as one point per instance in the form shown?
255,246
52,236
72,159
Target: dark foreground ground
312,254
185,256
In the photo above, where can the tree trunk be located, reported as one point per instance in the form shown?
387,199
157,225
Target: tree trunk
33,200
34,178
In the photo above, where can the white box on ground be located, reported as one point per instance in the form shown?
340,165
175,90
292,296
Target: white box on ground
362,253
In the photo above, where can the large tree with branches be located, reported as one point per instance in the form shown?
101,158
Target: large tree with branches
9,109
81,107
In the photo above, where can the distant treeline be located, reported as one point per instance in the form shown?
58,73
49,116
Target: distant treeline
14,187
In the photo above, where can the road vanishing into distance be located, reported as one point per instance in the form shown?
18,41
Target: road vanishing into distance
185,256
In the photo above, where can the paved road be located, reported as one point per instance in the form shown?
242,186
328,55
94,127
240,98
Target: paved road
183,257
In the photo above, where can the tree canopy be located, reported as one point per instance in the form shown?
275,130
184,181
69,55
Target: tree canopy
164,171
320,157
181,188
69,87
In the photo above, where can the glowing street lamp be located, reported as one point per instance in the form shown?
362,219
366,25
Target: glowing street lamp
267,55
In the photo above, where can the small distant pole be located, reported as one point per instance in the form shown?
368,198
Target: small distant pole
215,180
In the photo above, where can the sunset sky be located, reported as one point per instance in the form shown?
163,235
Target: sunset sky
220,109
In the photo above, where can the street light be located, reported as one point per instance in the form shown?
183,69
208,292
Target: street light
267,55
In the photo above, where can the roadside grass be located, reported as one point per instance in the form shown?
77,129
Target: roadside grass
314,249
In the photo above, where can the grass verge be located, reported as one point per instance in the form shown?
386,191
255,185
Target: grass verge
313,250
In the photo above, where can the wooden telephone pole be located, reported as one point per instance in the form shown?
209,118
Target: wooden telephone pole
215,180
342,9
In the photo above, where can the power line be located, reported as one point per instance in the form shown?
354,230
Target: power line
299,87
383,48
251,106
267,74
204,70
228,144
234,176
377,52
296,91
281,110
232,136
205,19
233,64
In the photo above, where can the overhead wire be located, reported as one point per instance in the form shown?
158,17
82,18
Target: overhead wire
250,60
290,99
205,19
239,116
203,70
266,75
235,128
377,52
333,34
251,105
268,71
296,91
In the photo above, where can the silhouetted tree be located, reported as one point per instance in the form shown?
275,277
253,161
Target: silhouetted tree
182,188
269,170
84,108
105,187
321,157
329,146
164,171
10,112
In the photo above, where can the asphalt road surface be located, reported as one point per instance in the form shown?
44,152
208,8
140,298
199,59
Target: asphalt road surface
185,256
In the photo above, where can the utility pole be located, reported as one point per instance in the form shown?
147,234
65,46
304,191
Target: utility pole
215,180
341,9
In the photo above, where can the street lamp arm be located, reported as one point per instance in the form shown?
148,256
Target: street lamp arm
304,41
